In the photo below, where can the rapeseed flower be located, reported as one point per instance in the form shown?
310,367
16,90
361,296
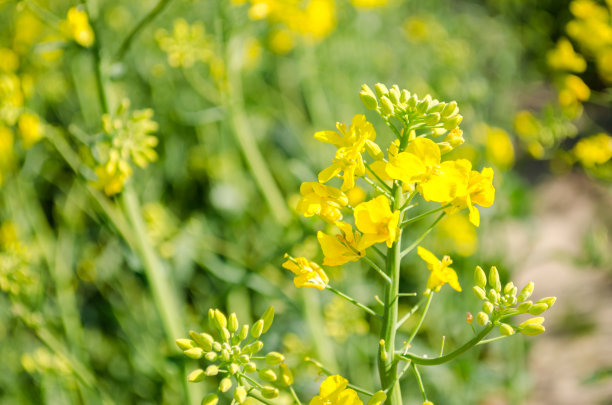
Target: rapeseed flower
334,391
563,57
499,148
351,143
324,201
376,222
186,45
307,273
440,272
77,27
340,249
480,191
30,129
594,150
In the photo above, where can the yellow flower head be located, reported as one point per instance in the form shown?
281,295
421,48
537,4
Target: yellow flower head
324,201
563,57
351,143
30,129
573,92
340,249
186,44
77,27
480,191
376,222
440,272
499,148
307,273
594,150
334,391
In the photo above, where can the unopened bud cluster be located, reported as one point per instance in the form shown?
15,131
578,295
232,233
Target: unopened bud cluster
500,304
234,353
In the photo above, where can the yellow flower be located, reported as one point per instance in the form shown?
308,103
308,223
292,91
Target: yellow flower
594,150
573,92
186,45
340,249
499,148
351,143
420,163
457,232
334,391
9,60
356,195
368,3
324,201
376,222
563,57
440,272
30,129
480,191
77,27
111,181
7,155
307,273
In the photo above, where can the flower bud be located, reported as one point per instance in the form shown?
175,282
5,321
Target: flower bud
211,317
232,322
220,320
269,392
412,102
532,327
244,358
216,346
494,279
394,94
267,374
194,353
436,107
381,89
250,367
244,332
257,328
432,119
196,375
286,376
469,318
225,384
422,106
493,296
378,398
274,358
506,330
211,370
185,344
240,394
210,399
204,340
482,318
453,122
368,98
449,110
508,288
225,334
386,106
480,278
234,368
487,307
524,306
537,309
404,96
267,318
479,292
253,347
225,355
549,301
211,356
526,292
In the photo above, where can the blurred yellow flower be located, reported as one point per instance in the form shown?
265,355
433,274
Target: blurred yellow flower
7,141
594,150
499,148
334,391
356,195
574,91
281,41
440,272
30,129
376,222
340,249
307,273
186,45
76,26
9,60
11,98
563,57
368,3
459,233
324,201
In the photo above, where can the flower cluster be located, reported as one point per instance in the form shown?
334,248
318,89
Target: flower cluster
334,391
186,44
76,26
234,356
500,304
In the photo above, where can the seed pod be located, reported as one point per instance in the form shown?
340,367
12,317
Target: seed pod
196,375
480,278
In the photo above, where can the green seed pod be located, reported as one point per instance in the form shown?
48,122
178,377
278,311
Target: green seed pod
194,353
274,358
479,292
211,370
381,89
506,330
508,288
494,279
449,110
404,96
220,320
196,375
244,332
422,106
432,119
537,309
204,340
549,301
436,107
269,392
480,278
482,318
232,322
487,307
257,328
240,394
185,344
225,384
453,122
211,356
250,367
524,306
234,368
526,292
210,399
386,107
267,374
286,376
268,318
368,98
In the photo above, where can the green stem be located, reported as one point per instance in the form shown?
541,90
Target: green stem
426,361
485,341
377,187
127,42
294,395
410,313
417,375
416,242
353,301
325,371
260,398
378,269
382,183
421,319
423,215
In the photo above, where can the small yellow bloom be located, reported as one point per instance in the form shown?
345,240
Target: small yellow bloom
110,181
9,60
573,92
30,129
351,143
324,201
376,222
499,148
77,27
334,391
480,191
563,57
440,272
307,273
340,249
369,3
594,150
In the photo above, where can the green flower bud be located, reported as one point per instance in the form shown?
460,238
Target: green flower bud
449,110
532,327
240,394
494,279
225,355
381,89
204,340
210,399
453,122
487,307
524,306
250,367
211,356
432,119
493,296
211,370
196,375
225,334
257,328
225,384
479,292
404,96
220,320
253,347
368,98
274,358
412,102
267,374
211,317
537,309
549,301
268,317
394,94
244,332
526,292
436,107
232,322
506,330
269,392
386,106
286,376
216,346
480,278
422,106
194,353
185,344
244,358
508,288
482,318
234,368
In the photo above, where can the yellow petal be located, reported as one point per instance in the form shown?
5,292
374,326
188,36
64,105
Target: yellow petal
426,150
427,256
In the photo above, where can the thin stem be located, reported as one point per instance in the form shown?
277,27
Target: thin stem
255,383
485,341
393,128
260,398
423,215
410,197
378,252
378,269
294,395
442,346
426,361
417,375
353,301
381,181
416,242
325,371
407,294
410,313
421,319
97,54
127,42
377,187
